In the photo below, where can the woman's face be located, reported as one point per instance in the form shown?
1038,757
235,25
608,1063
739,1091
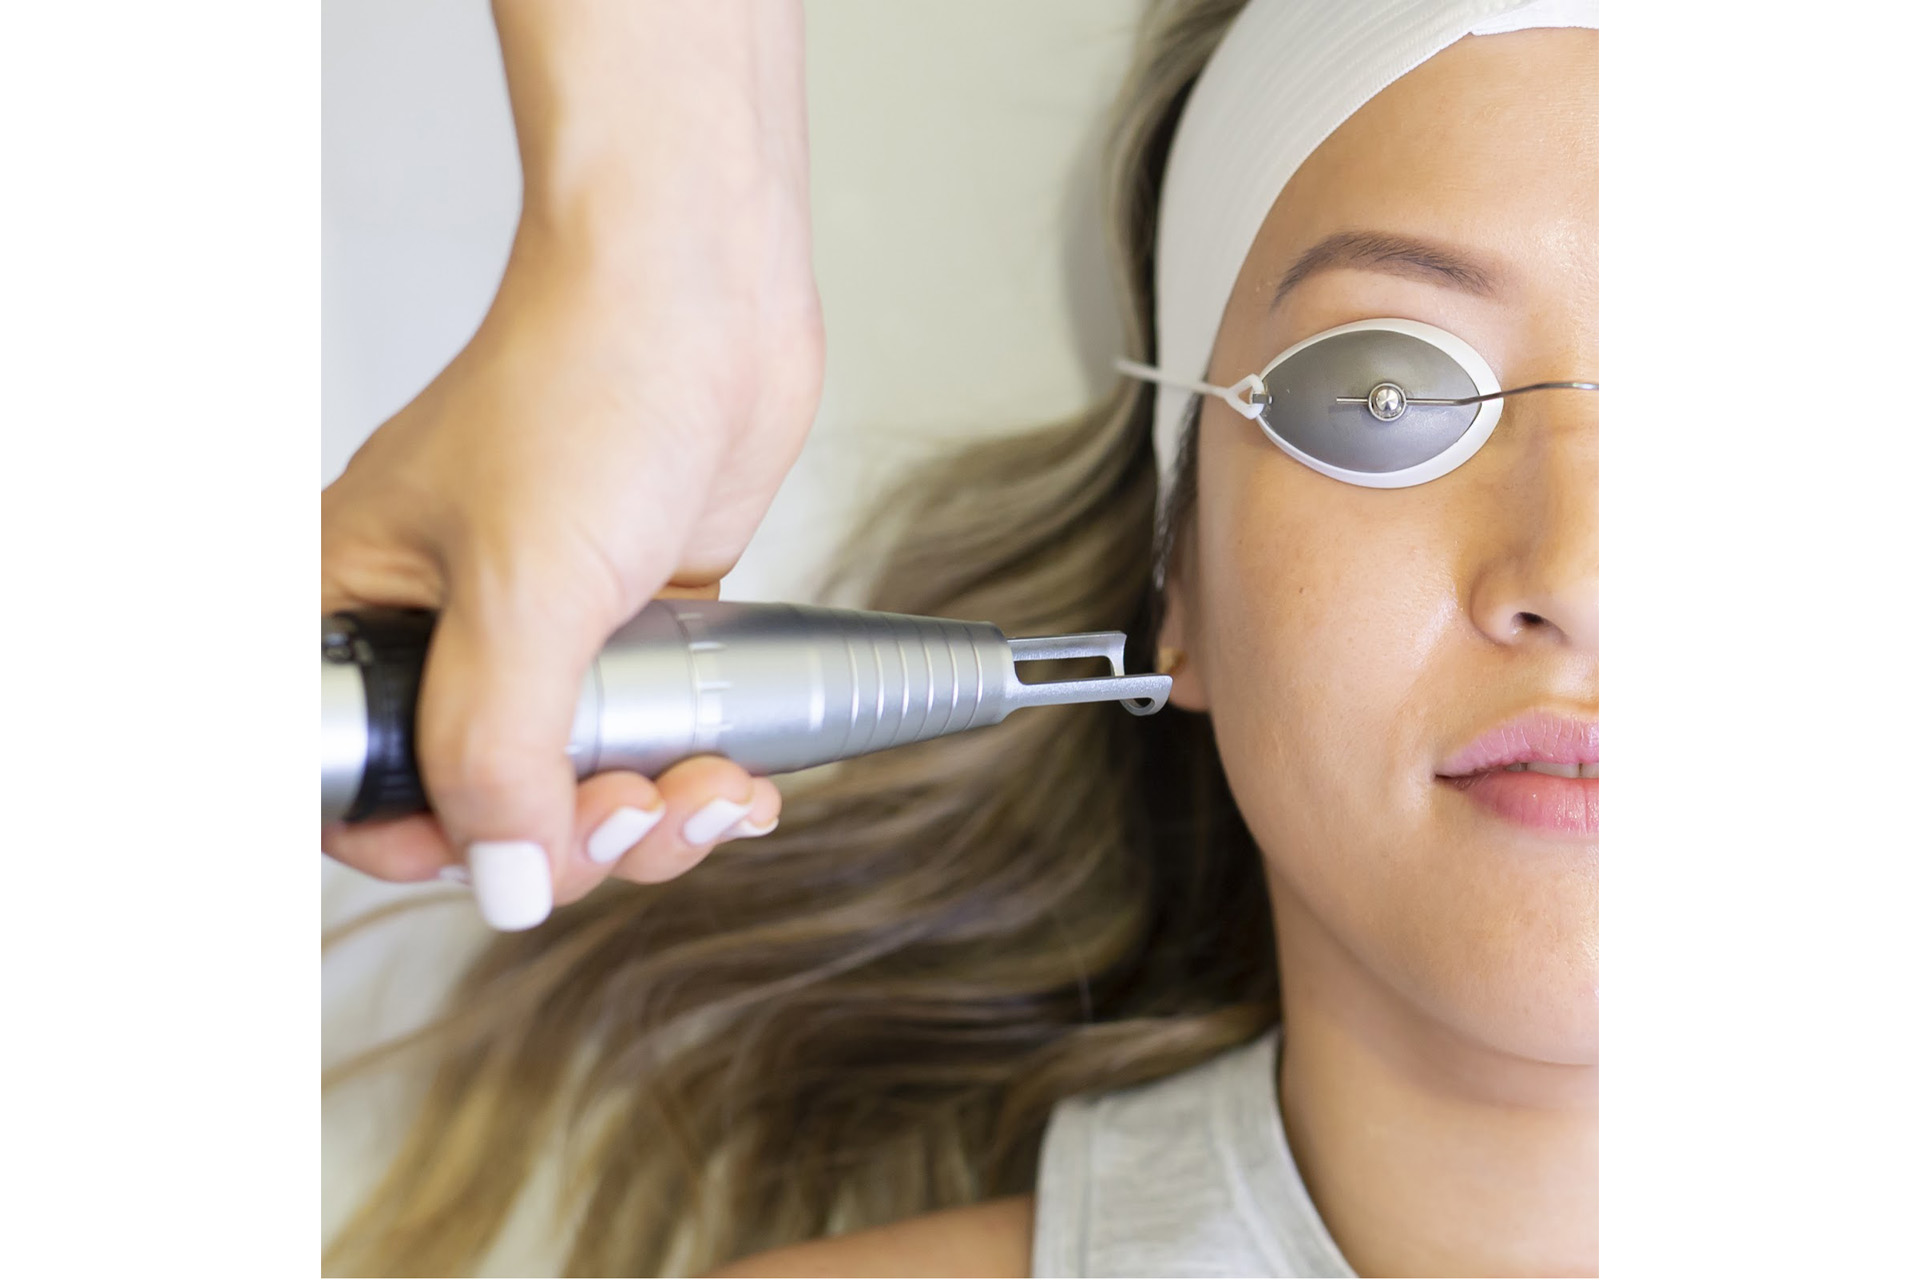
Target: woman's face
1352,644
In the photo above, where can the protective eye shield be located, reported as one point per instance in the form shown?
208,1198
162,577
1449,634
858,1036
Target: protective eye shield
1284,77
1385,403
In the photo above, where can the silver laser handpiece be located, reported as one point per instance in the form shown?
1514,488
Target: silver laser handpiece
772,687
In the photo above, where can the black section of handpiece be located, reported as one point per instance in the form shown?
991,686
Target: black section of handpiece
390,648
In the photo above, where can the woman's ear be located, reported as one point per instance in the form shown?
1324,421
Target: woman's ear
1176,653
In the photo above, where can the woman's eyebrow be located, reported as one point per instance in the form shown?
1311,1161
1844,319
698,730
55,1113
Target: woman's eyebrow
1394,254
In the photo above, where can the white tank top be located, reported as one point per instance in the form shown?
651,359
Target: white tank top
1186,1176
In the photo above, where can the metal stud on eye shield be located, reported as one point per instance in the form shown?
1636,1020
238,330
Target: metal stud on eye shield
1306,404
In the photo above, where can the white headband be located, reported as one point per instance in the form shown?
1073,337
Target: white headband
1286,75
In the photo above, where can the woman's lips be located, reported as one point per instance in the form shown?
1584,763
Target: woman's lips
1567,806
1518,772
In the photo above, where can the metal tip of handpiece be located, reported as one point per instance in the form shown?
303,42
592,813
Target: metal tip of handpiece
1141,694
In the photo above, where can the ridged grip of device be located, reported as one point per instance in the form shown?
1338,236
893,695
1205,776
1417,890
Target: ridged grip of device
390,648
909,679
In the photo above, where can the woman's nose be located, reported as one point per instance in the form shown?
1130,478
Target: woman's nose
1538,580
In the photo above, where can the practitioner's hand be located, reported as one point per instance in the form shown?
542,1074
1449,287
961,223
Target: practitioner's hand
616,429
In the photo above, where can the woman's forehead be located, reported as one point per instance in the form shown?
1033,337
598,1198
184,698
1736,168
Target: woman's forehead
1483,157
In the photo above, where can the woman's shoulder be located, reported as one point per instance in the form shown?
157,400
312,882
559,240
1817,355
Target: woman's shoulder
993,1238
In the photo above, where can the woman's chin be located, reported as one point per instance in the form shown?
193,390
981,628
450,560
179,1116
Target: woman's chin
1510,956
1535,1006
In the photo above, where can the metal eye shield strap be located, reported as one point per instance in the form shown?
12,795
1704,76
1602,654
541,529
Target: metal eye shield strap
1388,400
1378,400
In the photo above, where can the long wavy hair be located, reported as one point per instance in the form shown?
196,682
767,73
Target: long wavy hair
871,1013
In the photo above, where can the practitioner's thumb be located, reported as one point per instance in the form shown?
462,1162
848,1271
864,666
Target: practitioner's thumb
496,706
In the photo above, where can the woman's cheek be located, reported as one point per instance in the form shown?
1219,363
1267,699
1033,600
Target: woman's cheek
1322,626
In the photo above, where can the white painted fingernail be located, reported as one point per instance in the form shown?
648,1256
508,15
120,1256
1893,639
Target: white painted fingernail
511,882
745,830
455,874
714,817
620,832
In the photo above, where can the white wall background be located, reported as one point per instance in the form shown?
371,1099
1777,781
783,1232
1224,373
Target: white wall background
954,158
957,247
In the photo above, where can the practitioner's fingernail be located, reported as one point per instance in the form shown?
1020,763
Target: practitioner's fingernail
511,882
620,832
455,874
714,817
746,830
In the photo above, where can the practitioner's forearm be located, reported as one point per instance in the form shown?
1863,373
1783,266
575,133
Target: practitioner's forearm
630,112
